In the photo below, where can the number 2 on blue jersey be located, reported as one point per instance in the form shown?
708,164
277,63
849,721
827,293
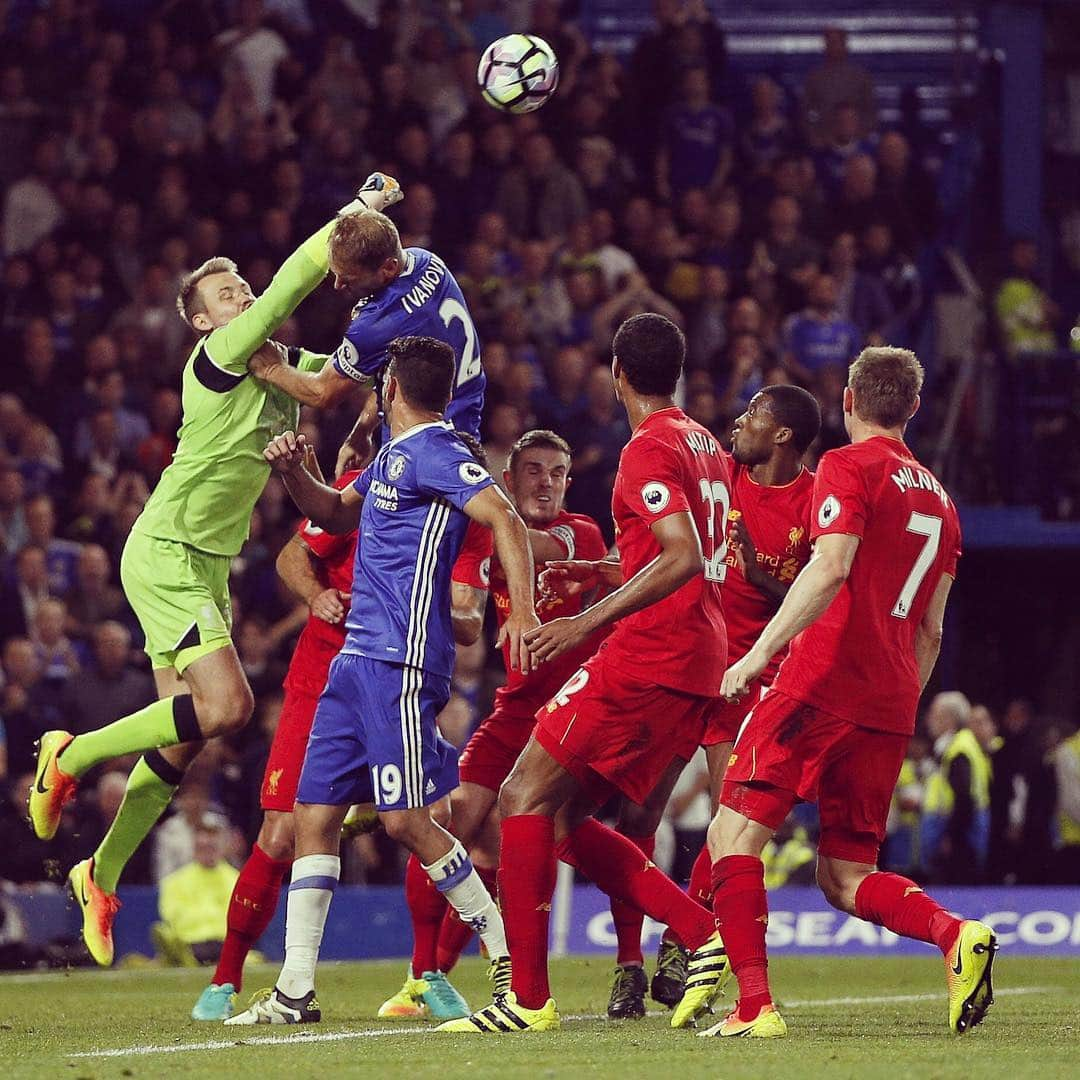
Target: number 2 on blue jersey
450,311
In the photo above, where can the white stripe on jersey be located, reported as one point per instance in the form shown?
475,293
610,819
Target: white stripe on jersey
423,588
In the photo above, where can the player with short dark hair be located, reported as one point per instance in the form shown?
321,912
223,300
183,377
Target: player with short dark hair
864,620
636,706
537,476
768,544
374,738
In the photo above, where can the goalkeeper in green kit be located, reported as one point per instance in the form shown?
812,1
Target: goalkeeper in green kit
175,565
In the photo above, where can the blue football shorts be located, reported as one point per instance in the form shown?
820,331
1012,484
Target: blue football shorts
374,738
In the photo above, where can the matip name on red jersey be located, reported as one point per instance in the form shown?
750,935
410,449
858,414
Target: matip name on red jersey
858,661
672,465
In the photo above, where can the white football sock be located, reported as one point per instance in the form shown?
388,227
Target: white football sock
314,878
455,877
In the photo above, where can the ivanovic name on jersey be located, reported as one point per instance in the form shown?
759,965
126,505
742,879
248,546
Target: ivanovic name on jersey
412,525
425,288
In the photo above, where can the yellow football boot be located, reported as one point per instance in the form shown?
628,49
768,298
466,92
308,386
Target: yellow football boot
504,1016
967,972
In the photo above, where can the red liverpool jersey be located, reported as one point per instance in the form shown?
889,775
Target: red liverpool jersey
858,660
525,694
778,521
320,641
670,465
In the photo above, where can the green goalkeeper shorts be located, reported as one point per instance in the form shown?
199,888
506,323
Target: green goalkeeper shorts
180,596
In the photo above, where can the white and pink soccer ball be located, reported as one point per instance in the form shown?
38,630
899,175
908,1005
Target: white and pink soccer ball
518,73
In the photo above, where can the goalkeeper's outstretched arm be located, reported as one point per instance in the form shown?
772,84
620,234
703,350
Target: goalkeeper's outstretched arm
231,346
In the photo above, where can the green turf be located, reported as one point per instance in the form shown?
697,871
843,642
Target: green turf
1033,1030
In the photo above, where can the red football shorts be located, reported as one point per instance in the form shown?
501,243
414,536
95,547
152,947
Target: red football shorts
790,751
494,747
611,730
724,718
287,752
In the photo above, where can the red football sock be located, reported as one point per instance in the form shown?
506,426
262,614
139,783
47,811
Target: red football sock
742,913
454,934
526,886
251,907
614,864
900,905
628,919
701,879
426,909
700,889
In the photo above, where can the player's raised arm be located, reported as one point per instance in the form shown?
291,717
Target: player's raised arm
329,509
492,508
318,382
810,594
231,346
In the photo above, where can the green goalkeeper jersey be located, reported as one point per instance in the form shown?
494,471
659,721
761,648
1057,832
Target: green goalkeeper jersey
205,498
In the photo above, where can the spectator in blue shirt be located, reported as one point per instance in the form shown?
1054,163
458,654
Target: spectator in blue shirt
558,407
696,141
61,556
844,142
860,297
817,335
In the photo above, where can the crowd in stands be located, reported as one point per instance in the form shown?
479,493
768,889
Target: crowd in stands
137,141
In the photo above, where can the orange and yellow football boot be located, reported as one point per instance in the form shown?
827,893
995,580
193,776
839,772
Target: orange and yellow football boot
52,789
99,910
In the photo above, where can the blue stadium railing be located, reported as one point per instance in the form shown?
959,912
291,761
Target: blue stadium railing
929,46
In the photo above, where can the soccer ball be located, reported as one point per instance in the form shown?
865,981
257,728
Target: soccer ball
518,73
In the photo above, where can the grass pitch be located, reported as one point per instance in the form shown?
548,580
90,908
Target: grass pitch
862,1019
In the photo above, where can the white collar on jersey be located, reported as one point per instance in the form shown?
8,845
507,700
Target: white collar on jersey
410,264
420,427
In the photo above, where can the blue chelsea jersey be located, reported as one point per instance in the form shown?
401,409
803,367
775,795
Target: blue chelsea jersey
412,526
424,299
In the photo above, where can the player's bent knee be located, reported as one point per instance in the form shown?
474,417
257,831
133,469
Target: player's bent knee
317,828
723,834
838,888
241,706
401,826
226,713
513,796
276,836
441,813
521,796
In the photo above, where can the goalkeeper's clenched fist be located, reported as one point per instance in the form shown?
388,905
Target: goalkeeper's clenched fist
379,192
